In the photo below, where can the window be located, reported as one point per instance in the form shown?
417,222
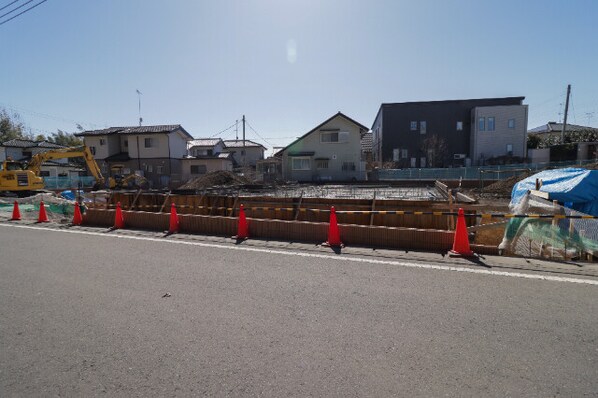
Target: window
490,124
159,169
459,126
511,123
348,166
422,127
482,124
126,143
404,153
300,164
102,141
510,149
148,142
92,149
329,136
395,154
150,168
413,126
198,169
322,164
44,173
209,152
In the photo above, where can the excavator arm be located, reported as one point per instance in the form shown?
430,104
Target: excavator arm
74,152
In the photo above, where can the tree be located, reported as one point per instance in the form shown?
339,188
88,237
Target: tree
11,126
40,137
65,139
434,147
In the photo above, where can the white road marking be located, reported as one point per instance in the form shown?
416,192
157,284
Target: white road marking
323,256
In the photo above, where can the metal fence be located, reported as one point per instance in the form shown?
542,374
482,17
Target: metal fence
68,182
472,173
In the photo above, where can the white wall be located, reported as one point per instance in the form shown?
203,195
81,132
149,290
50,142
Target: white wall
178,144
336,152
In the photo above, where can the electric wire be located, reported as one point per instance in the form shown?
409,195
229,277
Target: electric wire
8,5
14,9
22,12
222,131
256,133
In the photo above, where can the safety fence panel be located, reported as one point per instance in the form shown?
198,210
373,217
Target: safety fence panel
68,182
472,173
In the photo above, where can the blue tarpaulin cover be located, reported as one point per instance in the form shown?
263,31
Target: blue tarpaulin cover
578,188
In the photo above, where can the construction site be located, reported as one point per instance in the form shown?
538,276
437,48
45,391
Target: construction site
416,217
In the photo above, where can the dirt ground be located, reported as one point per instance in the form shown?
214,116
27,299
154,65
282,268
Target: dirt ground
215,178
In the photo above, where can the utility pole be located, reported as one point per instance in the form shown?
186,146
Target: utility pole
566,111
237,129
243,153
139,96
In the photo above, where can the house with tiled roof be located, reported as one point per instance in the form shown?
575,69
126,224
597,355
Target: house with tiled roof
331,151
245,152
22,150
156,152
204,156
554,128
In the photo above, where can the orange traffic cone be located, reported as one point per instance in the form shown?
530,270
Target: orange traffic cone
77,219
119,220
174,220
334,234
16,213
43,216
243,227
461,243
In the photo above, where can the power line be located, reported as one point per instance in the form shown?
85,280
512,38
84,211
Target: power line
14,9
222,131
8,5
22,12
45,115
256,133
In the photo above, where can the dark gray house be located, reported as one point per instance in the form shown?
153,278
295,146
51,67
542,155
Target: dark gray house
449,133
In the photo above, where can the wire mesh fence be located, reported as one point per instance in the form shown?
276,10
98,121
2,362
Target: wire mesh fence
472,173
551,238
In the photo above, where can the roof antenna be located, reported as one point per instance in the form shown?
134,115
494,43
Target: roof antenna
139,96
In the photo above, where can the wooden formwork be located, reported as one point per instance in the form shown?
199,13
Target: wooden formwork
287,230
289,208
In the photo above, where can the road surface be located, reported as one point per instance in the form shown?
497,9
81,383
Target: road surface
83,314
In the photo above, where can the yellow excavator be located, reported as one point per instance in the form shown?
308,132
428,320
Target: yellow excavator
22,178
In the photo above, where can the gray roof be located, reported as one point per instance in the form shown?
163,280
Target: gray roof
22,143
359,125
366,142
554,127
239,144
158,129
204,142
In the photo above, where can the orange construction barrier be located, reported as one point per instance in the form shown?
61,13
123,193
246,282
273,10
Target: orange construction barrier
119,220
334,234
461,243
174,220
16,213
43,216
77,218
243,227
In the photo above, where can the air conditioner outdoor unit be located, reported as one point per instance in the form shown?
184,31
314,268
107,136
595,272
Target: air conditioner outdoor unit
459,156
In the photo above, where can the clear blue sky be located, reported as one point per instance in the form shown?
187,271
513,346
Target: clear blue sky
289,64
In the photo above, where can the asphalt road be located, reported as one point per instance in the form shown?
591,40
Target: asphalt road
83,315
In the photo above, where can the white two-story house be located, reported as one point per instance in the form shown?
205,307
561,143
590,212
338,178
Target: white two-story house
205,155
329,152
156,152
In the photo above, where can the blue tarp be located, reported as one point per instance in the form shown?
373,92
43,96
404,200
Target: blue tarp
578,188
